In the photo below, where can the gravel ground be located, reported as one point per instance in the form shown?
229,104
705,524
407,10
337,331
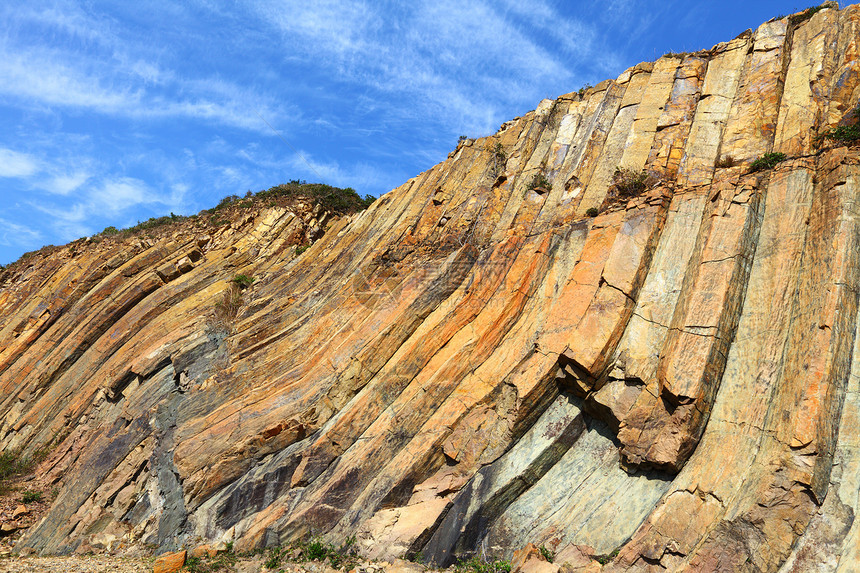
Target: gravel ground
84,564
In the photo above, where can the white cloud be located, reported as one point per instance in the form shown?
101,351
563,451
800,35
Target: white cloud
120,194
110,197
16,164
66,183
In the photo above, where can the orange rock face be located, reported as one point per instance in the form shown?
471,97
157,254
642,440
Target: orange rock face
478,362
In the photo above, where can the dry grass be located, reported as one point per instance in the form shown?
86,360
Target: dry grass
627,183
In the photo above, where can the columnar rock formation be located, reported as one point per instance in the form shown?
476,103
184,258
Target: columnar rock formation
477,362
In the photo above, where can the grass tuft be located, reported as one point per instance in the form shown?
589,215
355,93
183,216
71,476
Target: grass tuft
314,549
725,162
14,464
224,561
31,496
477,565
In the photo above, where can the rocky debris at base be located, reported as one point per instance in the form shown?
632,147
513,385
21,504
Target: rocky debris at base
75,564
247,564
15,515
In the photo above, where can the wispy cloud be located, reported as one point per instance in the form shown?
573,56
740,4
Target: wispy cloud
47,80
44,79
16,164
14,234
94,65
461,62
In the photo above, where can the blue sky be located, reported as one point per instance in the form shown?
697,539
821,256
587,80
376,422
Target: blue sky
114,112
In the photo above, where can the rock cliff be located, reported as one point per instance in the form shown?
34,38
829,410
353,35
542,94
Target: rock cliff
506,349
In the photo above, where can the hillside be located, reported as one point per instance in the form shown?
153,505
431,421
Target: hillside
623,328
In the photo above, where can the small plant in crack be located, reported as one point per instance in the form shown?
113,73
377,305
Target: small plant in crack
227,308
725,161
539,183
500,157
548,554
243,281
604,559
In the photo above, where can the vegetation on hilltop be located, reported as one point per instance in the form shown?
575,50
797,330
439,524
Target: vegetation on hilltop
341,201
332,199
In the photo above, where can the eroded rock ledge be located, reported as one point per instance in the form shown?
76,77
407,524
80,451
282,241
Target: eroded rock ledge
477,362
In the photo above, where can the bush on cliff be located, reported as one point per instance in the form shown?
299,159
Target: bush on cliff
151,223
848,132
801,17
767,161
844,133
332,199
